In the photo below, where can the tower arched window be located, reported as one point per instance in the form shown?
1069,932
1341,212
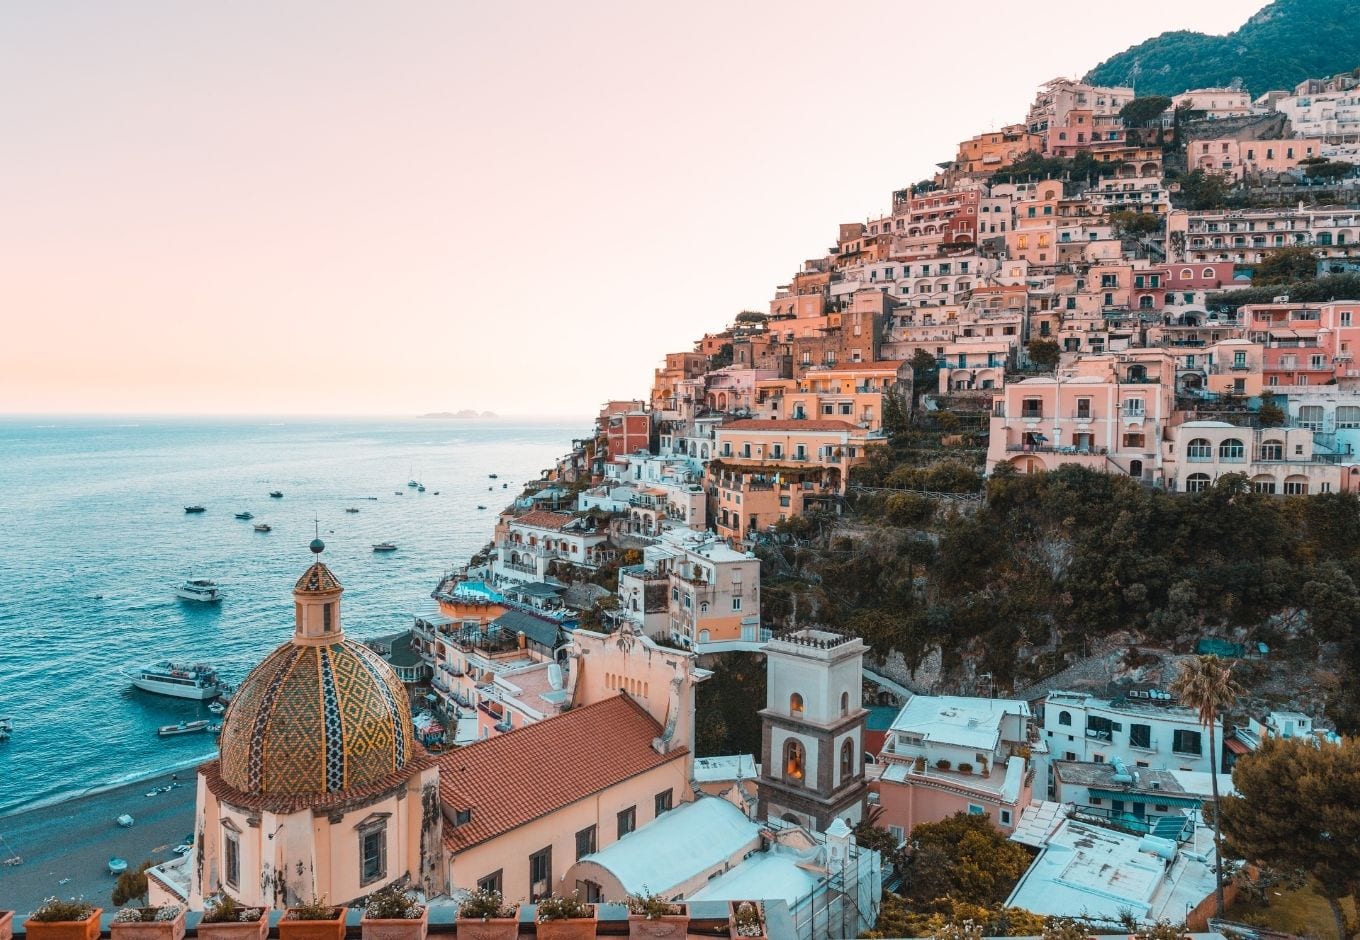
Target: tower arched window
1064,718
794,760
847,760
796,705
845,703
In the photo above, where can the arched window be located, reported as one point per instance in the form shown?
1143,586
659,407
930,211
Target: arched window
793,760
845,703
1232,449
1263,483
1296,485
796,705
1272,450
1064,718
847,760
1208,272
1199,449
1197,483
1187,274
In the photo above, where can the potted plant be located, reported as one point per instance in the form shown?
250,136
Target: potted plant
748,920
148,923
484,915
919,766
71,919
392,914
225,919
313,920
651,916
943,764
567,918
965,768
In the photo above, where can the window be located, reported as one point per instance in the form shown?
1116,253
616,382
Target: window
231,845
663,802
1263,483
1232,450
1310,417
975,810
1064,718
540,874
794,760
627,821
1133,408
796,705
845,703
1032,408
1140,736
585,842
492,882
847,760
326,614
898,833
1296,486
1347,416
1272,450
1186,742
1197,483
1005,817
372,852
1199,449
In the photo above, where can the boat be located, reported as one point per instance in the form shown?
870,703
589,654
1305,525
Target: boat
194,509
505,486
420,487
351,509
263,527
179,680
481,507
397,493
184,727
436,492
6,728
215,728
412,483
245,515
199,589
493,476
276,494
217,708
385,547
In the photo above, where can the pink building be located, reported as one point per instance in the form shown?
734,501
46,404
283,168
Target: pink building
1306,344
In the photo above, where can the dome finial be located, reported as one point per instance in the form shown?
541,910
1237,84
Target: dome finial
317,546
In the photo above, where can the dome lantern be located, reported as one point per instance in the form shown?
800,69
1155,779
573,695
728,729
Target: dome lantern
316,603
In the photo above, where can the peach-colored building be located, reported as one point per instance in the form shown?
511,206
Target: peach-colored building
1060,102
1236,159
1305,344
996,150
1214,103
951,754
1282,461
975,365
1246,236
534,541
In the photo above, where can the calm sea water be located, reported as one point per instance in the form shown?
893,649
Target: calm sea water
96,539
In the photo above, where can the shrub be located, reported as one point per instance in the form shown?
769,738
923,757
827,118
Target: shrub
943,764
965,768
132,915
748,919
166,912
485,905
557,907
392,903
315,909
650,906
224,910
55,909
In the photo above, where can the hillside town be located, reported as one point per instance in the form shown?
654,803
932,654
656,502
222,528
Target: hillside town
1099,285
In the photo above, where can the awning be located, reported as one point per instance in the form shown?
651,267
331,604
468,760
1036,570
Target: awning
1143,796
1236,746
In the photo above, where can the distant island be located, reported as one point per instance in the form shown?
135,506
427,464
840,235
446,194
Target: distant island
465,413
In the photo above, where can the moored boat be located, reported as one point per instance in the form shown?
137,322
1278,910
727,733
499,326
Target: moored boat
217,708
351,509
276,494
263,527
199,589
385,547
245,515
6,728
184,727
493,476
194,509
178,680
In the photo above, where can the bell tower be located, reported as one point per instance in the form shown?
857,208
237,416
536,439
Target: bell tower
812,740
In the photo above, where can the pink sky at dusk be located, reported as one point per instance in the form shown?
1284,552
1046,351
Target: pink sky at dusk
397,208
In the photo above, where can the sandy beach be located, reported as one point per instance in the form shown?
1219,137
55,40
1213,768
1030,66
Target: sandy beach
74,840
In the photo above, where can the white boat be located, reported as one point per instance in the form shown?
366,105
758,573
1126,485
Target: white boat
180,680
184,727
199,589
263,527
385,547
413,483
217,708
245,515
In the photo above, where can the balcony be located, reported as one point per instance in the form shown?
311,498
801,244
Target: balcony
1032,413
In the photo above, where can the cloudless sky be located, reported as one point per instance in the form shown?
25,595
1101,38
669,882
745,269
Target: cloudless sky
346,207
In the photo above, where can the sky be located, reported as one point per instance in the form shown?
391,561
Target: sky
361,208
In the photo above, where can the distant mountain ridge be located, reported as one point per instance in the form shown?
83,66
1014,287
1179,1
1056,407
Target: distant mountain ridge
1286,42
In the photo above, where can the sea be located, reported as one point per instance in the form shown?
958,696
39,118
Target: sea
96,539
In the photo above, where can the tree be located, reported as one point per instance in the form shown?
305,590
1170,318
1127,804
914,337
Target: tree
1205,683
1140,111
751,316
1329,170
1044,353
924,369
966,852
1201,190
1285,265
1136,224
1295,811
132,885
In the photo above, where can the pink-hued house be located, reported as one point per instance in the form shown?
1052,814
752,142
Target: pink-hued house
952,754
1306,344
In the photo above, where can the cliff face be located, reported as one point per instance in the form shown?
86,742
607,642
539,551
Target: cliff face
1286,42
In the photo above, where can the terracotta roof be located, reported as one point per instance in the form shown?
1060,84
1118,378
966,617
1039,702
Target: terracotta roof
540,519
790,424
518,777
318,579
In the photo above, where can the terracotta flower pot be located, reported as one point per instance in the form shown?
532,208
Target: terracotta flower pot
6,925
331,929
575,928
732,923
87,929
407,928
492,928
149,929
235,930
675,926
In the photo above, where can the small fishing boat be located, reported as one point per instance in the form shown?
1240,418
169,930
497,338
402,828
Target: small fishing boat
192,510
245,515
199,589
436,493
480,506
385,547
263,527
493,476
351,509
117,865
412,483
505,485
420,488
217,708
276,494
184,727
397,493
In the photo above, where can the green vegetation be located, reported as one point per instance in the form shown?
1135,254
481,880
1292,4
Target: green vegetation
1296,812
1285,266
1044,353
1329,170
1313,291
1283,44
131,885
1035,166
963,859
1137,224
726,705
1140,111
1199,190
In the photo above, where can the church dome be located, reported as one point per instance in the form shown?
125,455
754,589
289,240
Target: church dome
321,714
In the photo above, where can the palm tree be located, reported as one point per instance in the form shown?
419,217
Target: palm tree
1205,683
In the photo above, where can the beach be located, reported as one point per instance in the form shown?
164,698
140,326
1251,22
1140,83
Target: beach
75,838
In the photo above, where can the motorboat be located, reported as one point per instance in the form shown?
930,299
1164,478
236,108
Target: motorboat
420,487
178,680
199,589
245,515
385,547
493,476
351,509
481,507
412,483
6,728
263,527
217,708
194,509
397,493
276,494
184,727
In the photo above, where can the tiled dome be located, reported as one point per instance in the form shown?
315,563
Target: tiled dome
316,719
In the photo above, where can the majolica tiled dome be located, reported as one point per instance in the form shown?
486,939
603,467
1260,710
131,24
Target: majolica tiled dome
316,717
